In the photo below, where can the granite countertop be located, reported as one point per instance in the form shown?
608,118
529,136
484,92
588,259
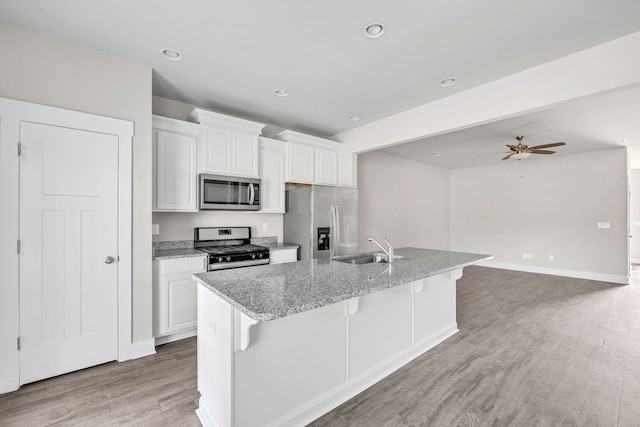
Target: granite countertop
273,291
177,253
277,246
184,248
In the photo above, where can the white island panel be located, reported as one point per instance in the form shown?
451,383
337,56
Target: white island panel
289,363
380,329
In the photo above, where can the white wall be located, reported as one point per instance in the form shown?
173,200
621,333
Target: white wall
405,201
635,215
179,226
39,69
546,206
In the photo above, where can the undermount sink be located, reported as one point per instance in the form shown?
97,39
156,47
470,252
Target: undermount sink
365,258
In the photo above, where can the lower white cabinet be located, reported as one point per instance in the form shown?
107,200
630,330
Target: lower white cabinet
280,256
175,297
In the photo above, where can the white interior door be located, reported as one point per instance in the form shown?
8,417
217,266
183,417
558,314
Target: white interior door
68,228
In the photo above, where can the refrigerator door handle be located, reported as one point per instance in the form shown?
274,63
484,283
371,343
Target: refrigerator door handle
335,232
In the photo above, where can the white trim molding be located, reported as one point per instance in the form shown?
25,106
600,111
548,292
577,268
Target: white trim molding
576,274
12,112
143,348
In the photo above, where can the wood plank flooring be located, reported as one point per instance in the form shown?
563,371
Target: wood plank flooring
158,390
533,350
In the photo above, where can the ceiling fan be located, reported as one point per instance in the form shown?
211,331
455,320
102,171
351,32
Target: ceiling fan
522,151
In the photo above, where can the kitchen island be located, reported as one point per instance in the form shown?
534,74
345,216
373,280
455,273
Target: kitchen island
284,344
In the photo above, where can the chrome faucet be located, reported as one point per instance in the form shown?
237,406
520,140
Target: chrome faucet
387,252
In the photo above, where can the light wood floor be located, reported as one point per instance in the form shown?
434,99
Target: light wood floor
532,350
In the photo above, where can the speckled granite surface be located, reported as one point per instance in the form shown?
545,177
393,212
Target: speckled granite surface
277,246
173,244
272,291
177,253
184,248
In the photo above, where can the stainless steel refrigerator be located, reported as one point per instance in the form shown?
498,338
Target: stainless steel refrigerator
323,221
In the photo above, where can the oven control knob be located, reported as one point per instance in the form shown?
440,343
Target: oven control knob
260,255
220,259
228,258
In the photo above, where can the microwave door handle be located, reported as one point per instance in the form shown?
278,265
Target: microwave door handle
252,194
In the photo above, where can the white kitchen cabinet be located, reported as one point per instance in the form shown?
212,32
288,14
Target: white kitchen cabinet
272,175
301,163
228,145
227,152
280,256
326,170
311,160
174,165
175,297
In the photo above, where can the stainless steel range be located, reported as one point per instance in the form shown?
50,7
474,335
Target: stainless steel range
229,247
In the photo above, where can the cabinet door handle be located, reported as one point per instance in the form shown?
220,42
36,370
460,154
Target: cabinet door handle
109,260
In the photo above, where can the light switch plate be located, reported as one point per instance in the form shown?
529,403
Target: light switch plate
155,229
604,225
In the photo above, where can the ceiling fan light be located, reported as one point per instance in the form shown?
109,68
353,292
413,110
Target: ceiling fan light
520,156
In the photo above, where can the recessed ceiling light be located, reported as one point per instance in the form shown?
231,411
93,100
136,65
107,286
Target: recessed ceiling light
373,31
435,154
281,92
449,81
354,118
171,55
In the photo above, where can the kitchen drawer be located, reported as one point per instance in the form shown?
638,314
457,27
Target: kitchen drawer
283,255
181,265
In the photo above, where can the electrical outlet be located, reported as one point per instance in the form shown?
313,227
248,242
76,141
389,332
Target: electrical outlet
525,255
604,225
155,229
265,226
530,256
551,258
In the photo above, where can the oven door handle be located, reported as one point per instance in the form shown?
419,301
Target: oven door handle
252,194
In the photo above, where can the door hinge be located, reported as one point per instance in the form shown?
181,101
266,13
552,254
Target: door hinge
18,343
19,148
19,245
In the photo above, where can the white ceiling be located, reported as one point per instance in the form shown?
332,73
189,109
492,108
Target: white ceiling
591,123
236,53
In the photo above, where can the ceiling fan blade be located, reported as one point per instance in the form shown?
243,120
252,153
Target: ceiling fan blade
513,147
505,158
555,144
540,151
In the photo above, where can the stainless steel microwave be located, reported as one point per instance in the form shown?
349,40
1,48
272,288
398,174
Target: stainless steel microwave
229,193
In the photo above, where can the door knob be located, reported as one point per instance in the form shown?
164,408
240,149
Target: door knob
109,260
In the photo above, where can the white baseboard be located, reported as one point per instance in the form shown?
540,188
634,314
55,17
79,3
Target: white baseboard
175,337
577,274
143,348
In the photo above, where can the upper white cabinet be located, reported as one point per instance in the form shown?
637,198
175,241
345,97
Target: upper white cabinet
174,165
313,160
326,166
301,163
228,145
272,175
